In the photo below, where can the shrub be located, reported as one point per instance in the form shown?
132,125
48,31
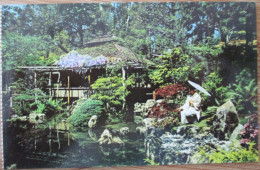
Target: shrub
250,132
169,91
242,155
161,110
150,161
168,123
111,92
81,114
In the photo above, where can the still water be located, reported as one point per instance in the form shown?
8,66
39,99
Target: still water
33,147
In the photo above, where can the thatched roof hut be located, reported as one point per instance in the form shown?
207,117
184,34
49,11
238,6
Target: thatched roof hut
106,52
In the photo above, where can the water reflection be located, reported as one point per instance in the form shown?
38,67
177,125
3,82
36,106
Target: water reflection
60,147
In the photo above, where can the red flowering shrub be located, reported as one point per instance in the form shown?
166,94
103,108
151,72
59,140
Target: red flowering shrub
169,91
161,110
250,132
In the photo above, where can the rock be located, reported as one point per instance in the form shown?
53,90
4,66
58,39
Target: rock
160,101
36,118
175,149
107,139
148,122
92,121
154,132
182,146
225,120
117,140
236,132
152,147
191,131
139,107
141,130
149,104
138,120
124,131
144,114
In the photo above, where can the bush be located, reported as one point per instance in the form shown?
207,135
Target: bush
168,122
111,92
161,110
81,114
250,132
169,91
242,155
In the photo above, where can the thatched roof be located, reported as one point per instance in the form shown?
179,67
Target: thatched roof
106,54
101,40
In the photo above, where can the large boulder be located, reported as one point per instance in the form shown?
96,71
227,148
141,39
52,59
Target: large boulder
149,104
153,143
193,131
107,139
225,120
148,122
139,107
141,130
182,147
92,121
124,131
236,133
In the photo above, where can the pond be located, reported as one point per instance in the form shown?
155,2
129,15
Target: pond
33,147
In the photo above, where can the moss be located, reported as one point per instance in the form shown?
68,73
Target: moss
202,123
107,49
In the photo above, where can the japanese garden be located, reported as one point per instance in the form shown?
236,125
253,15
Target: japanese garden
121,84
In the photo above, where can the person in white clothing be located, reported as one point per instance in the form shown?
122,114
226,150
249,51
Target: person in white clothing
191,107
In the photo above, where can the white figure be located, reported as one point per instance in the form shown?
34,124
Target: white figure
191,107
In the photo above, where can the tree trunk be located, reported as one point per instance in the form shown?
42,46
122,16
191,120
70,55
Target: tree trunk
80,31
62,48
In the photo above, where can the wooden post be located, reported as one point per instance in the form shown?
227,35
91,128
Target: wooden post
89,82
68,90
35,80
58,138
58,84
50,86
35,87
89,79
68,139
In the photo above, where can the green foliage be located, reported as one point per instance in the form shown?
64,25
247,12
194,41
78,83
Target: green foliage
40,108
150,161
83,112
214,85
175,67
34,51
232,156
244,93
26,101
111,92
168,122
201,155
